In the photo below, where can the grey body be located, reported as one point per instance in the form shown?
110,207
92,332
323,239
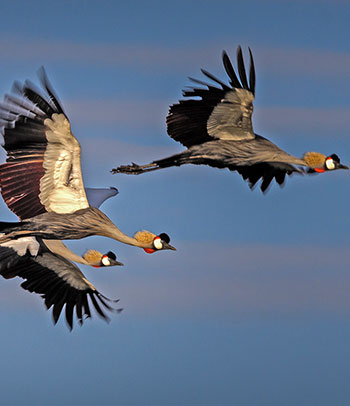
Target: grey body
236,153
70,226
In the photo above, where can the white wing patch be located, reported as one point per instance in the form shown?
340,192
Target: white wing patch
62,188
231,118
22,245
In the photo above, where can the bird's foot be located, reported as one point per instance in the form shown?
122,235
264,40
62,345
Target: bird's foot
133,169
129,169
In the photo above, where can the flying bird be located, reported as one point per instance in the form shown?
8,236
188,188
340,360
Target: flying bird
47,267
41,180
57,279
214,123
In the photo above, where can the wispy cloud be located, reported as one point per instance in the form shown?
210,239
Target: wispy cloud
311,62
279,61
231,280
107,151
303,121
140,114
264,279
126,55
133,113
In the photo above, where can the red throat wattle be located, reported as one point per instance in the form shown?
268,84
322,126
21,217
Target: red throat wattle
319,170
149,250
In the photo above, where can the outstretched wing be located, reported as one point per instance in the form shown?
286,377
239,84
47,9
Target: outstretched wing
42,170
216,112
59,282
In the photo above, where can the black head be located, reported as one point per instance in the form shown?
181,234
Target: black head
164,237
110,259
160,242
111,255
332,162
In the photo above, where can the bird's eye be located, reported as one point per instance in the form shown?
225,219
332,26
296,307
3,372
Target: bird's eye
157,242
330,164
105,261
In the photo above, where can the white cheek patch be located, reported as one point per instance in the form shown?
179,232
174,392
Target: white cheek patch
105,261
330,164
157,242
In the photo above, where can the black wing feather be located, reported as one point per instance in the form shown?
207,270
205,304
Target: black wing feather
47,85
235,83
214,79
267,171
241,69
251,73
97,307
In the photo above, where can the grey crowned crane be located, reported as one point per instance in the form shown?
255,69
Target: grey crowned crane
214,124
48,270
57,279
41,180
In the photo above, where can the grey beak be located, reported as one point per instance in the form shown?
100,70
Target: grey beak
340,166
167,246
115,263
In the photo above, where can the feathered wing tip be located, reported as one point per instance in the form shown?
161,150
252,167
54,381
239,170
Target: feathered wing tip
234,81
45,99
230,71
314,159
49,89
37,97
17,88
144,236
241,83
59,295
211,77
241,68
82,306
251,73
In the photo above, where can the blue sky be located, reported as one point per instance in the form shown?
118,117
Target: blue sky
253,308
